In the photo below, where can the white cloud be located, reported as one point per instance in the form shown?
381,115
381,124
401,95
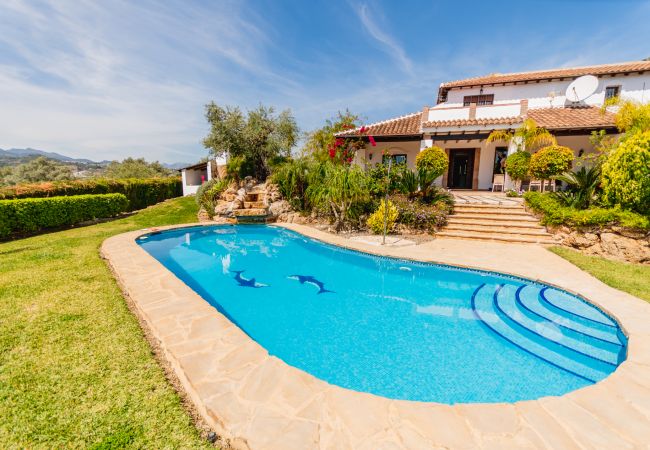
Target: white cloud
387,41
109,80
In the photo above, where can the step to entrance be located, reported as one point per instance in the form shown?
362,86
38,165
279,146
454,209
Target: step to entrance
524,231
500,217
502,237
494,221
459,220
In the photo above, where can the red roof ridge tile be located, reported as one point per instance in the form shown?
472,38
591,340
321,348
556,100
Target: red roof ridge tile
534,74
381,122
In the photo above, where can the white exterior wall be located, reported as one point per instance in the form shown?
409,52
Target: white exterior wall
192,180
409,148
634,87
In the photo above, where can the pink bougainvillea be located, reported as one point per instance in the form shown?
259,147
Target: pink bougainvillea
343,150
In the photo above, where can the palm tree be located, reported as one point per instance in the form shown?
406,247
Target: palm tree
528,136
583,185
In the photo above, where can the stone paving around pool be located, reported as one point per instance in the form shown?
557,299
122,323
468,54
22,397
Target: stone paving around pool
258,402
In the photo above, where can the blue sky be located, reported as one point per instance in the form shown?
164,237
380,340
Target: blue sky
110,79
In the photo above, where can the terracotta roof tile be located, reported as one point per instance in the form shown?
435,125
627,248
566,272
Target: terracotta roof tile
562,118
400,126
472,122
550,118
627,67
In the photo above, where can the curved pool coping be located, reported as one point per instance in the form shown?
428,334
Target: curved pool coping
257,401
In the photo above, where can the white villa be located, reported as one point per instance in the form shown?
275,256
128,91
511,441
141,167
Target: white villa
467,111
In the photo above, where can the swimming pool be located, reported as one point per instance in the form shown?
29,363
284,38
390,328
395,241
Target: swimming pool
394,328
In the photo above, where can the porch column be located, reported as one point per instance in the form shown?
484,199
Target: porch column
184,181
477,162
509,182
445,175
209,169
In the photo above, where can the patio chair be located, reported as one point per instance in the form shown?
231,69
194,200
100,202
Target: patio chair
535,185
540,185
499,181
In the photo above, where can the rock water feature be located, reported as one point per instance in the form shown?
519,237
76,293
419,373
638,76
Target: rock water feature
251,202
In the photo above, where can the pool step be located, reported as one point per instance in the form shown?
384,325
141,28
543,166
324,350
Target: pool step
582,347
589,352
534,303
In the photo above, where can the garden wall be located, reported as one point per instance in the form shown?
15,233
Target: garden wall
611,242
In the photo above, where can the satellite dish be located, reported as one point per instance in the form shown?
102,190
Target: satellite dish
581,88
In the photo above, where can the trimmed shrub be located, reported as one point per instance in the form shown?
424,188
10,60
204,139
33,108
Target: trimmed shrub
555,213
33,214
140,193
517,165
432,159
550,161
626,174
376,220
208,194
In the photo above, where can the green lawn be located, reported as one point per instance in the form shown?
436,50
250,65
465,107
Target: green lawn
631,278
75,369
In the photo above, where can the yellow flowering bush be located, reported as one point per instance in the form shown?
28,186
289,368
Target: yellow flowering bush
376,220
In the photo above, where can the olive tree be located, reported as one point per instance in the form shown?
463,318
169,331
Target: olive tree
256,139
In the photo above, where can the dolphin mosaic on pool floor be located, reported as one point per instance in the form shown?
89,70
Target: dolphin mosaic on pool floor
259,402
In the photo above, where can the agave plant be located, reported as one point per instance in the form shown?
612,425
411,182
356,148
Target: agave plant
426,178
421,181
527,137
582,187
409,183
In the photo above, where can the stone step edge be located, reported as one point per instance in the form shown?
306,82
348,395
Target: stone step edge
510,212
495,238
502,217
495,223
487,206
503,230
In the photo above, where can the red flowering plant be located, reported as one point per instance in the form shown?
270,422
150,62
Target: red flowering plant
343,149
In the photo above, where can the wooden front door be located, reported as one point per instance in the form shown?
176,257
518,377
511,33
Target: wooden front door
461,168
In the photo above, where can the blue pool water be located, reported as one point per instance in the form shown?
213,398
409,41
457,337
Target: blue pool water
394,328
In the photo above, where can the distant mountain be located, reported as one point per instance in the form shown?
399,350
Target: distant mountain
27,152
23,154
176,166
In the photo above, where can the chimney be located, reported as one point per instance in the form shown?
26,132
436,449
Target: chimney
524,107
472,111
425,116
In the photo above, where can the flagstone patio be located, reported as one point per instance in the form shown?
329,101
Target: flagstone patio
259,402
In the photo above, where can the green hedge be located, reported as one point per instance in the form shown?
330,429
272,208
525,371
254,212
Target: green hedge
33,214
555,213
140,193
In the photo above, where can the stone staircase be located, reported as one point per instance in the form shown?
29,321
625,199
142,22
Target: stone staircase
495,222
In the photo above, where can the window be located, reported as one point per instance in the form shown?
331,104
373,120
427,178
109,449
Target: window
397,159
487,99
500,155
612,91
